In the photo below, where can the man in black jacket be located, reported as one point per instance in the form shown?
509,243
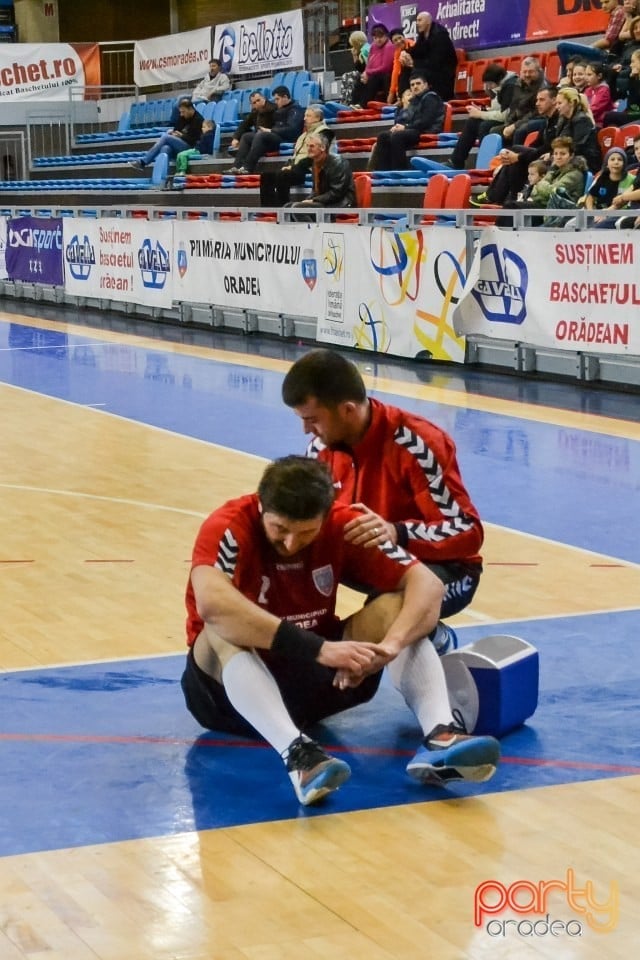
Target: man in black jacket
512,174
288,121
260,118
434,54
186,134
332,178
425,114
501,84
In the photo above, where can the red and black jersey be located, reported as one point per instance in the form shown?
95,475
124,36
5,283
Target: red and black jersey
405,469
301,588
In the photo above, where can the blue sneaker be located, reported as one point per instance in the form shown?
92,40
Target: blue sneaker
444,638
313,772
448,753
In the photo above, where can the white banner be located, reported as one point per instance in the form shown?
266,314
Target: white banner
47,70
249,265
392,292
172,59
114,259
573,291
271,42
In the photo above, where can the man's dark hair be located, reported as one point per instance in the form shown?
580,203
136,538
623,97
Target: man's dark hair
217,62
325,375
281,91
418,75
186,102
494,73
397,32
296,488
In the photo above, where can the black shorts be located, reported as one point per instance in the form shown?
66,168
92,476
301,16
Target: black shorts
309,696
460,579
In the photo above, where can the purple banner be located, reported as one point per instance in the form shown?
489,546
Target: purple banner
472,24
34,250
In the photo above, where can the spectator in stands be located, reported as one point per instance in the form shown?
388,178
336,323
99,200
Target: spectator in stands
522,116
275,186
621,71
561,187
564,184
631,11
332,178
536,171
213,85
608,45
434,54
373,83
511,175
186,133
614,179
597,92
425,114
399,74
203,147
631,196
359,47
501,85
259,118
631,113
566,80
288,120
578,76
576,122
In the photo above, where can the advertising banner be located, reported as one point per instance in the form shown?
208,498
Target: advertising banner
34,250
272,42
576,291
117,259
46,70
252,266
565,18
474,24
172,59
392,292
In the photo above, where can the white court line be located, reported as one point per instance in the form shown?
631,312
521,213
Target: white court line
95,496
183,650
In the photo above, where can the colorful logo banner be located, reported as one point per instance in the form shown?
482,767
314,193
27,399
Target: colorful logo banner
34,250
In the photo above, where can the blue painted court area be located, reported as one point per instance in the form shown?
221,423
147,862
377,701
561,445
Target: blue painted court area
521,474
108,752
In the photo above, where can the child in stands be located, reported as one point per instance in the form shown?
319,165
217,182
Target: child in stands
204,146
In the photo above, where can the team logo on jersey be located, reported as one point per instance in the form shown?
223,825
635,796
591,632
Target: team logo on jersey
323,579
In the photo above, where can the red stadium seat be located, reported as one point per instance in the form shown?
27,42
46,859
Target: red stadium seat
434,195
607,138
553,67
627,135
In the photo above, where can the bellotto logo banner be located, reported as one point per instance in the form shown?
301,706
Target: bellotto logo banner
532,903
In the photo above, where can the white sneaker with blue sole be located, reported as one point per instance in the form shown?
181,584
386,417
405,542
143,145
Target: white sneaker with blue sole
448,754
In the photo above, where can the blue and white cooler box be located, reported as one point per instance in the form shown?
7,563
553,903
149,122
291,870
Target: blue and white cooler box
493,683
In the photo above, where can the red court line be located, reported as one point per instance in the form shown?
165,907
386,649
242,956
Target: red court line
16,561
215,742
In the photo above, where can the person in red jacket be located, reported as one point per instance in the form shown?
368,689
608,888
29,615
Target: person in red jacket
400,472
267,652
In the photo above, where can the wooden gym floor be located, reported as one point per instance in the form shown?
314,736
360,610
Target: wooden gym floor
130,834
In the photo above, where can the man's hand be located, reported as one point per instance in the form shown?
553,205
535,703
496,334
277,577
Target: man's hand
509,131
397,127
354,658
508,156
369,529
352,678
